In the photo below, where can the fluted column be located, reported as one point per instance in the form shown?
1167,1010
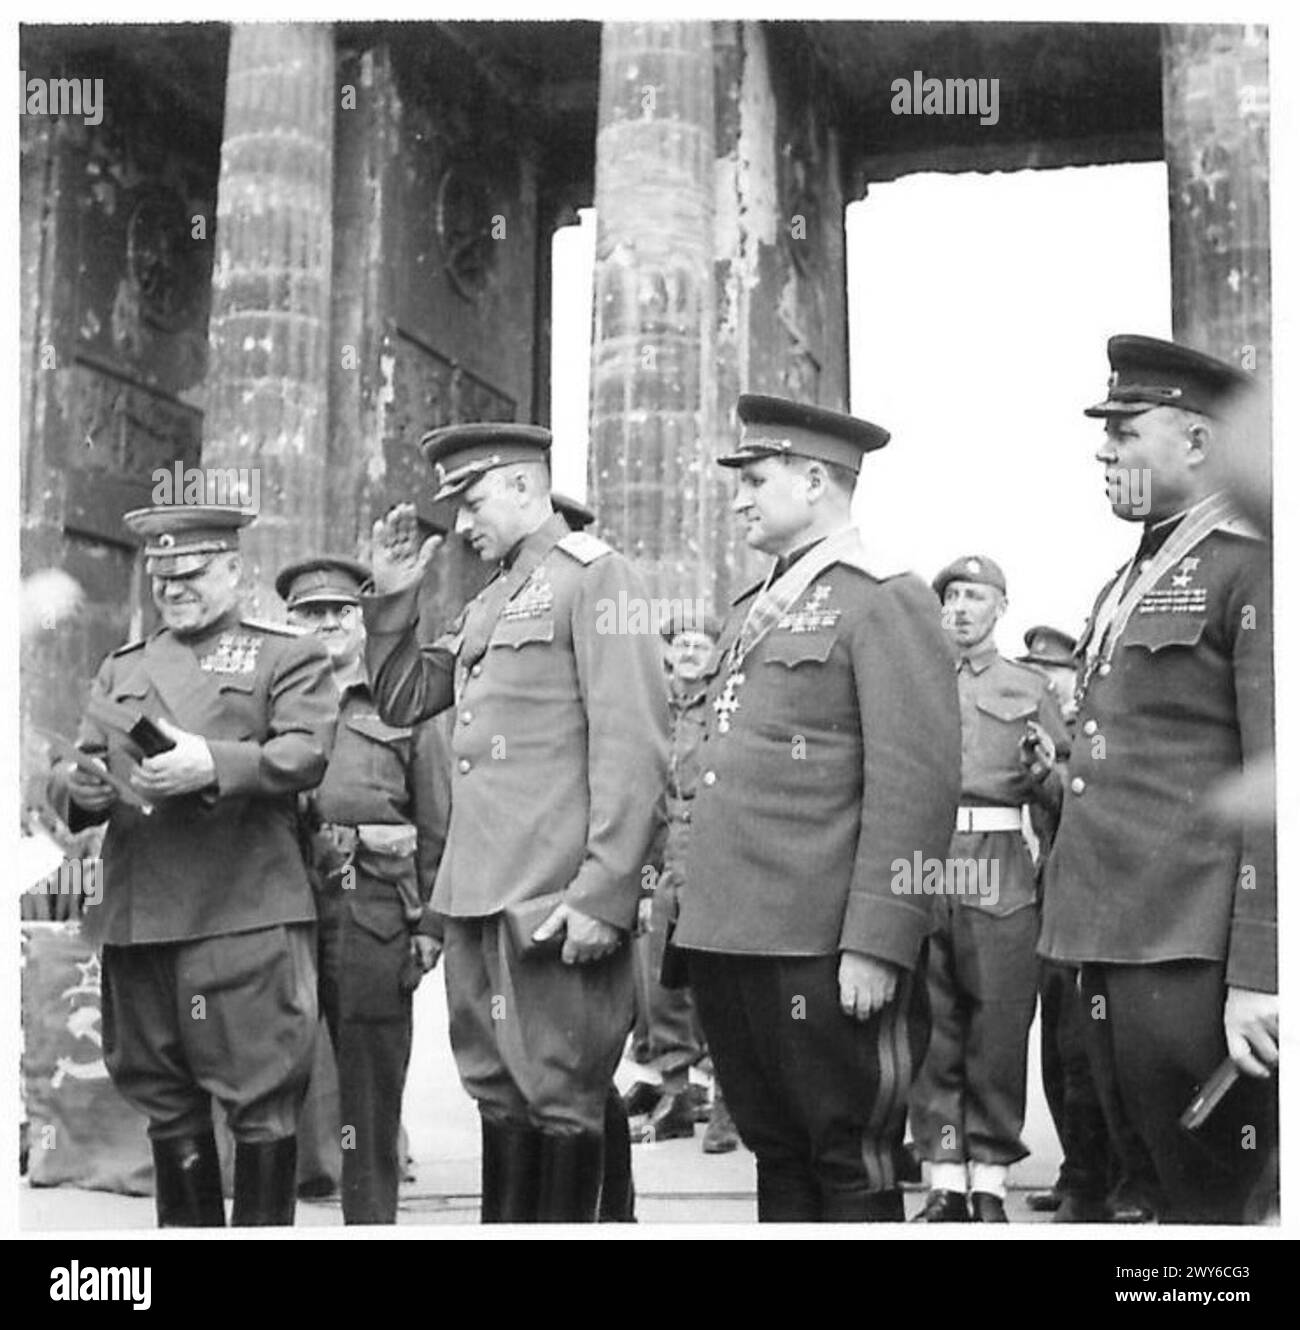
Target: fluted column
269,329
653,438
1216,116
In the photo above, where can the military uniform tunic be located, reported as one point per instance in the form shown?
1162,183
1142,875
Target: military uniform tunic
1163,906
559,749
835,756
207,897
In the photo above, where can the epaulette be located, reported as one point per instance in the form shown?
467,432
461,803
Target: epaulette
1240,526
583,546
278,629
128,647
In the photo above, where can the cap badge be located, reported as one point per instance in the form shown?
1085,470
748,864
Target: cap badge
973,566
166,540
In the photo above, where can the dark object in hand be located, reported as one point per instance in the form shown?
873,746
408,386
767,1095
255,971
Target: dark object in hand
149,739
1210,1096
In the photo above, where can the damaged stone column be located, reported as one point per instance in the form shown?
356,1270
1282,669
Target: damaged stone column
653,438
1216,103
269,329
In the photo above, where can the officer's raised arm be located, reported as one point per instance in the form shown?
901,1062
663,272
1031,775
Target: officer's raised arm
411,682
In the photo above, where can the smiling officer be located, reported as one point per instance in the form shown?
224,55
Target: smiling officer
207,920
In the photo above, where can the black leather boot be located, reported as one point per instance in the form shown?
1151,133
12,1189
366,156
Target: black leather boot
265,1183
511,1169
572,1168
862,1207
617,1192
187,1182
787,1194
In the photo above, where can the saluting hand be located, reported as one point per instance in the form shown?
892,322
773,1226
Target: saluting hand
397,559
1250,1027
866,984
585,939
180,770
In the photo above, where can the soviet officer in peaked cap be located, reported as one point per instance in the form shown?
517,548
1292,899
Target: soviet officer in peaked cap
559,738
1170,914
207,919
376,826
968,1104
832,757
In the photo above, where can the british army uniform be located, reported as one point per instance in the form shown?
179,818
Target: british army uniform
559,743
1163,907
209,978
384,796
832,754
968,1104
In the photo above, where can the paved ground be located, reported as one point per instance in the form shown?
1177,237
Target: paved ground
675,1182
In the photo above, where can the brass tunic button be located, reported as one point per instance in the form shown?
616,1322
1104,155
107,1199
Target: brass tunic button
1078,785
1104,668
466,716
464,765
1090,727
710,778
475,670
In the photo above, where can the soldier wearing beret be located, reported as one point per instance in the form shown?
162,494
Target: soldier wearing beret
832,755
559,741
207,919
384,797
1171,914
968,1104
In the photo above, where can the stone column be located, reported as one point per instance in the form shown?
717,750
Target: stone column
1216,102
653,438
269,332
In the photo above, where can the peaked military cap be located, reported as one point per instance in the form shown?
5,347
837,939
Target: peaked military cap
683,619
577,515
777,427
463,454
181,538
325,579
971,568
1045,645
1147,372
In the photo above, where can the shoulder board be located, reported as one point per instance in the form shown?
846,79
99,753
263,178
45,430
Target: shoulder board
583,546
276,629
1240,526
128,647
1032,670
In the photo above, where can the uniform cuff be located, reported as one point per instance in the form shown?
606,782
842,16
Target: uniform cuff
885,929
1252,956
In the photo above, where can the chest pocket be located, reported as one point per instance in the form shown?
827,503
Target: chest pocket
1011,709
1157,632
386,749
795,649
520,633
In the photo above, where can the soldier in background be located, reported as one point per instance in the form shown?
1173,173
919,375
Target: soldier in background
207,919
968,1104
385,794
1169,913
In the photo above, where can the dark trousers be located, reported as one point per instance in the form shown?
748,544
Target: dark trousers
667,1033
969,1100
365,993
535,1040
1155,1034
816,1095
1072,1099
230,1018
